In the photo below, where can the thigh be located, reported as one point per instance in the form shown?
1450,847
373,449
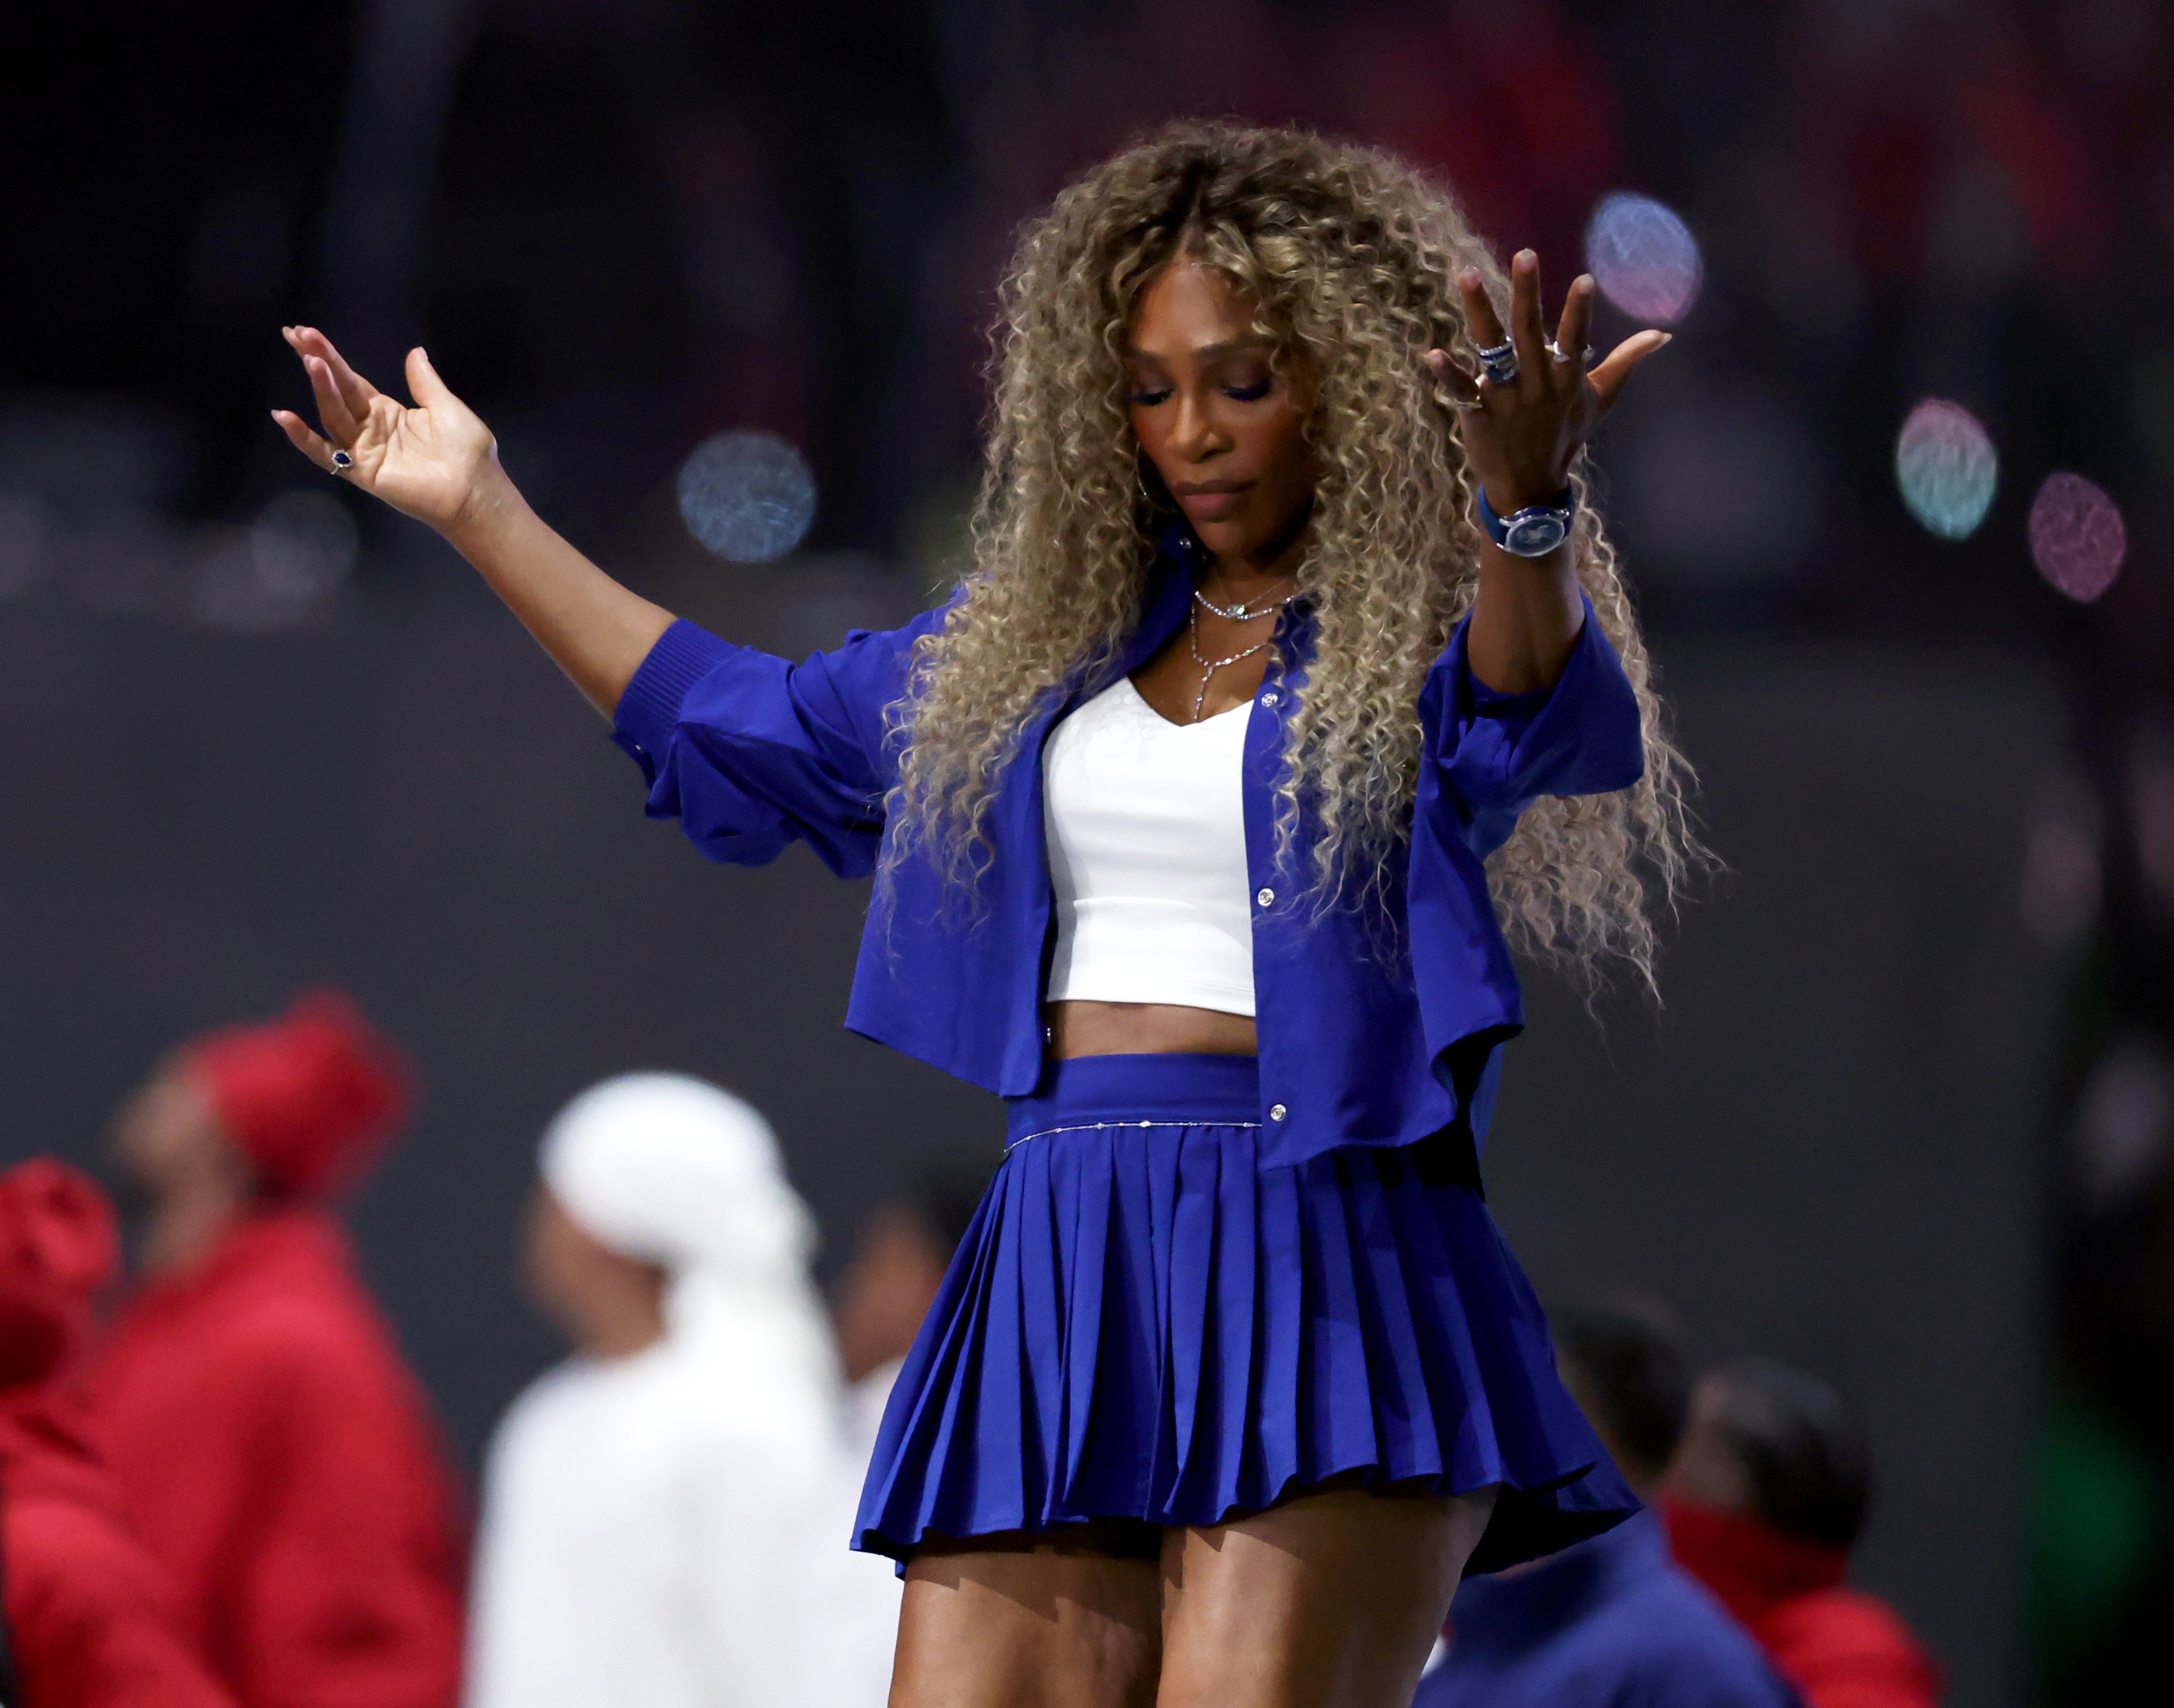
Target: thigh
1332,1600
1020,1622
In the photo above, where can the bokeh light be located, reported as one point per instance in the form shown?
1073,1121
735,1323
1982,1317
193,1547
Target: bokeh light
2077,537
1946,468
1644,258
748,496
304,545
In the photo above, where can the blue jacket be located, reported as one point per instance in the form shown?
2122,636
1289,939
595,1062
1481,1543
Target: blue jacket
1372,1031
1612,1623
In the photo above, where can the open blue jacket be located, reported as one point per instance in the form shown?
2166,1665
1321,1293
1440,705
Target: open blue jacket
1376,1026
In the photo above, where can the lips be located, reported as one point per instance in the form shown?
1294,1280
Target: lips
1211,500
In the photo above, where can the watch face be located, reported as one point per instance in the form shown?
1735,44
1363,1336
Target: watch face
1534,534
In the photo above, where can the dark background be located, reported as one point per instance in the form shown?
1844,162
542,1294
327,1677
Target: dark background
1903,1116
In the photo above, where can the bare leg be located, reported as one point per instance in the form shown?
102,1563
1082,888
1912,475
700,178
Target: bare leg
1029,1623
1329,1601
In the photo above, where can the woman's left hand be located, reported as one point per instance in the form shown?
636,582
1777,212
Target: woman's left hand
1522,437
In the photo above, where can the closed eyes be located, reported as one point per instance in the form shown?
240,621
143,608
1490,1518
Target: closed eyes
1147,397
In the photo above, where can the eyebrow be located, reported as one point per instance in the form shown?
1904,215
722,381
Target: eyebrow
1133,352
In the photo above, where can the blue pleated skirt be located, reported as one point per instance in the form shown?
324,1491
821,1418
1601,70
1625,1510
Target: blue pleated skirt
1143,1323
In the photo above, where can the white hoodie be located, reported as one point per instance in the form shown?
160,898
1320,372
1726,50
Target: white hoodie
666,1530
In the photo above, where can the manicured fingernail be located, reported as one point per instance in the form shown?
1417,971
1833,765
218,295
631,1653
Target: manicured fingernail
1666,338
1527,256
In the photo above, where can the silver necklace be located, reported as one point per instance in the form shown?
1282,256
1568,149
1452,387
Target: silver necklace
1245,611
1208,667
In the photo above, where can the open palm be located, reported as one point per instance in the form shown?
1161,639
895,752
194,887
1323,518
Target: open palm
428,459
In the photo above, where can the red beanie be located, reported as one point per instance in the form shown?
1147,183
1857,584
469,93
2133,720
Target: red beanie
59,1244
308,1098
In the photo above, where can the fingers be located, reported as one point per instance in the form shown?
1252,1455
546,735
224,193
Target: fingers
1525,327
354,390
424,384
304,440
1609,376
1462,389
1575,330
332,412
1479,316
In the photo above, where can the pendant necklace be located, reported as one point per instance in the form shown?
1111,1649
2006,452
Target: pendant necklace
1208,667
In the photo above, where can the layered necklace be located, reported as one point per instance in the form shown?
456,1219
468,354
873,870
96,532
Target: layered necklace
1244,611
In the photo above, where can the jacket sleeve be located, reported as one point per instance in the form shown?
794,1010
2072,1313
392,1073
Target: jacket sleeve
749,752
1497,753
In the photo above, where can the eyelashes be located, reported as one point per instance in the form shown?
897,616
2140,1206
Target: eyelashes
1239,394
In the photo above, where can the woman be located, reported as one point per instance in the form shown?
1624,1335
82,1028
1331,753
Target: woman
1232,1377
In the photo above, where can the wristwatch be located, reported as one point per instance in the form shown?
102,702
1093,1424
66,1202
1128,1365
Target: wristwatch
1532,532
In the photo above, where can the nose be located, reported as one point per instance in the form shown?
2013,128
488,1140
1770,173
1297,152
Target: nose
1195,436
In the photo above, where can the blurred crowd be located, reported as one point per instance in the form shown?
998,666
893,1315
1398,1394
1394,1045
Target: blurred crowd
224,1487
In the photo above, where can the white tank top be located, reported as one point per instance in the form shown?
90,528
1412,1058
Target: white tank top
1147,856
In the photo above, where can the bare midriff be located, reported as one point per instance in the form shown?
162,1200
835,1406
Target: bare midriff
1145,1028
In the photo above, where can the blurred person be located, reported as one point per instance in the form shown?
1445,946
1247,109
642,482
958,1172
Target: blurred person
895,1275
654,1505
88,1619
1290,610
274,1450
882,1299
1612,1623
1764,1501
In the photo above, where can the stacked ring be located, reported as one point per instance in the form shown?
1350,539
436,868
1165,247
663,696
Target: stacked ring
1499,361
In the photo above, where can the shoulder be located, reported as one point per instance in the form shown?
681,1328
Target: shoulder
1673,1638
309,1337
91,1613
68,1562
1845,1633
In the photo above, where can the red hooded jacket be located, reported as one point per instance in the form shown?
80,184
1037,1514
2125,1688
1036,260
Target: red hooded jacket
1840,1647
91,1619
279,1458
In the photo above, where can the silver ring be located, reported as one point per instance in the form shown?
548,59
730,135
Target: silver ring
1499,361
341,461
1556,352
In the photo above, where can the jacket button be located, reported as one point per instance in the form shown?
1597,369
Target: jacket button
1277,1112
1266,897
1270,698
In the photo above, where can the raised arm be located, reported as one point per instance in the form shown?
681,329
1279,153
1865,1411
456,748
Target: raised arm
1522,433
435,461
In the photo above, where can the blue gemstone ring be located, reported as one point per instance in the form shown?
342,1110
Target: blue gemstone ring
341,461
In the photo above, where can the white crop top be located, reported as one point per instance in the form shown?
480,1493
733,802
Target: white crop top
1147,856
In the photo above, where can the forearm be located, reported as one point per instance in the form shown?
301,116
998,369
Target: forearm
1525,619
596,630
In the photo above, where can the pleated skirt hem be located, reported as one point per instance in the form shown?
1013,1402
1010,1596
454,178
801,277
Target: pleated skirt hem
1144,1325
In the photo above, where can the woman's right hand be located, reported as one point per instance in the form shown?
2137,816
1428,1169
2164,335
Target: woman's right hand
433,460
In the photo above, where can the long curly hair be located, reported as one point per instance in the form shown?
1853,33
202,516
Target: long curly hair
1350,258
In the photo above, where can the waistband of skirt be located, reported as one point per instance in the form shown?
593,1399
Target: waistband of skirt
1168,1090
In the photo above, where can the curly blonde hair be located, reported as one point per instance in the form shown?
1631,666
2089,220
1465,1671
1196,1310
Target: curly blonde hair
1350,257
